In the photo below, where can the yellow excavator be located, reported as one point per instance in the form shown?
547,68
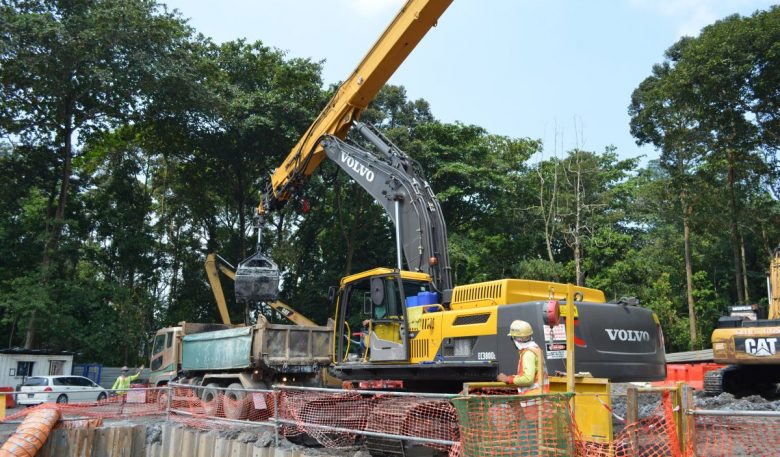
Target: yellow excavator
423,333
215,265
749,344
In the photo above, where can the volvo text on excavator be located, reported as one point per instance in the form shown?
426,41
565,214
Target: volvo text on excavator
424,332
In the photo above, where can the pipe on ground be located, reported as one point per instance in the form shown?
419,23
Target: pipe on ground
31,434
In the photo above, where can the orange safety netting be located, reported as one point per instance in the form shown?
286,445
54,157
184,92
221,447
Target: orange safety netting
462,426
514,425
331,418
198,406
135,403
721,436
654,435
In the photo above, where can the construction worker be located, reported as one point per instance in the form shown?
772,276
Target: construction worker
531,377
524,417
122,383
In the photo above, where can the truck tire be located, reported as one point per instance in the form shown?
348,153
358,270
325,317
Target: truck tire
211,399
236,402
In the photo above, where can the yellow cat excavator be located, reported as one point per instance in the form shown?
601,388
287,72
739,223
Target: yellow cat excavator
423,333
749,345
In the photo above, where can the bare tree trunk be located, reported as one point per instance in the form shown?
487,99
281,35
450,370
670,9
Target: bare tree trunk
547,209
577,228
59,219
735,237
744,268
689,268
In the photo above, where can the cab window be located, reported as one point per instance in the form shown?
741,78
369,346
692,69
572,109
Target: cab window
159,342
169,341
391,304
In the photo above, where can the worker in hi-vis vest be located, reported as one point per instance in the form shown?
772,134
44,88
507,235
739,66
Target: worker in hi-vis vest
519,421
122,383
531,377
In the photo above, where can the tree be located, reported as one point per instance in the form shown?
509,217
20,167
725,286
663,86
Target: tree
71,69
710,106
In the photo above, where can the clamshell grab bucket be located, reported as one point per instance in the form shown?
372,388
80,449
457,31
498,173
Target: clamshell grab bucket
257,279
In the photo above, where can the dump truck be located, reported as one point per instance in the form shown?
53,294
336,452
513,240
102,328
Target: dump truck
239,356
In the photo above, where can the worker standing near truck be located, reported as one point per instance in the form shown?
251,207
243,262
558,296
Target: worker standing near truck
531,379
122,382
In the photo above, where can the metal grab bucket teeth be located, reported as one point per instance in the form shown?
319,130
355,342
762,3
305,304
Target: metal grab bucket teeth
257,279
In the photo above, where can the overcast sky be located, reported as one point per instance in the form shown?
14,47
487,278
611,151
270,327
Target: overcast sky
560,71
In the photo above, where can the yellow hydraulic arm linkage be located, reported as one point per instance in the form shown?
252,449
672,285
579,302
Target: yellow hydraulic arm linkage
391,49
213,267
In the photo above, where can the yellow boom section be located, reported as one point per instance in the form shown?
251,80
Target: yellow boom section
393,46
774,285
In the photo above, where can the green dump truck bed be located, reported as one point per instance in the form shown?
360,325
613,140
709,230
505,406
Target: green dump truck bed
269,347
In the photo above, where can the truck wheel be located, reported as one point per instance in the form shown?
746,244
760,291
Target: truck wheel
236,402
211,399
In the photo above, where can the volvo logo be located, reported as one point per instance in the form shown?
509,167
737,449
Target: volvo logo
619,334
358,167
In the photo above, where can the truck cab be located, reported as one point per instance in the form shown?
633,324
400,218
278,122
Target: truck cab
166,356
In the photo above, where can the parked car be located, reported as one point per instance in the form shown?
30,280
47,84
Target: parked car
60,389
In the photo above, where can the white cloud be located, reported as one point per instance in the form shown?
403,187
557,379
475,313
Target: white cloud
370,8
690,16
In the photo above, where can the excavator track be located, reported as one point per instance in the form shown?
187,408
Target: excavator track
713,382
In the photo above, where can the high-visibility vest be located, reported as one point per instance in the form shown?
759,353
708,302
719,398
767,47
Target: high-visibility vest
541,372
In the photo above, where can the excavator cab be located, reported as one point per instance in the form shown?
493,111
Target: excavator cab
257,279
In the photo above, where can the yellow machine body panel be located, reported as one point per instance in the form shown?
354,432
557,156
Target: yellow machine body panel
753,342
507,291
746,345
433,327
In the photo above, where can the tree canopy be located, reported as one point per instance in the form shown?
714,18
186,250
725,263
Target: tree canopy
131,146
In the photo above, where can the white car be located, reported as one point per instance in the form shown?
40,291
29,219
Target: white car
60,389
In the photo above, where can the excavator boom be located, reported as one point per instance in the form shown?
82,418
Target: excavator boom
774,285
213,267
257,277
391,49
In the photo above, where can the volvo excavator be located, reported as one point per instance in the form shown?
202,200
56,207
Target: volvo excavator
749,345
422,332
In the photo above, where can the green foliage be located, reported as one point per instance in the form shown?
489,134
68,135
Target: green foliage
170,140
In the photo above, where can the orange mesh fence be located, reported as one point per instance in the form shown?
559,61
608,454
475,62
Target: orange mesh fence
112,405
744,435
652,434
463,426
335,418
332,417
514,425
211,406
